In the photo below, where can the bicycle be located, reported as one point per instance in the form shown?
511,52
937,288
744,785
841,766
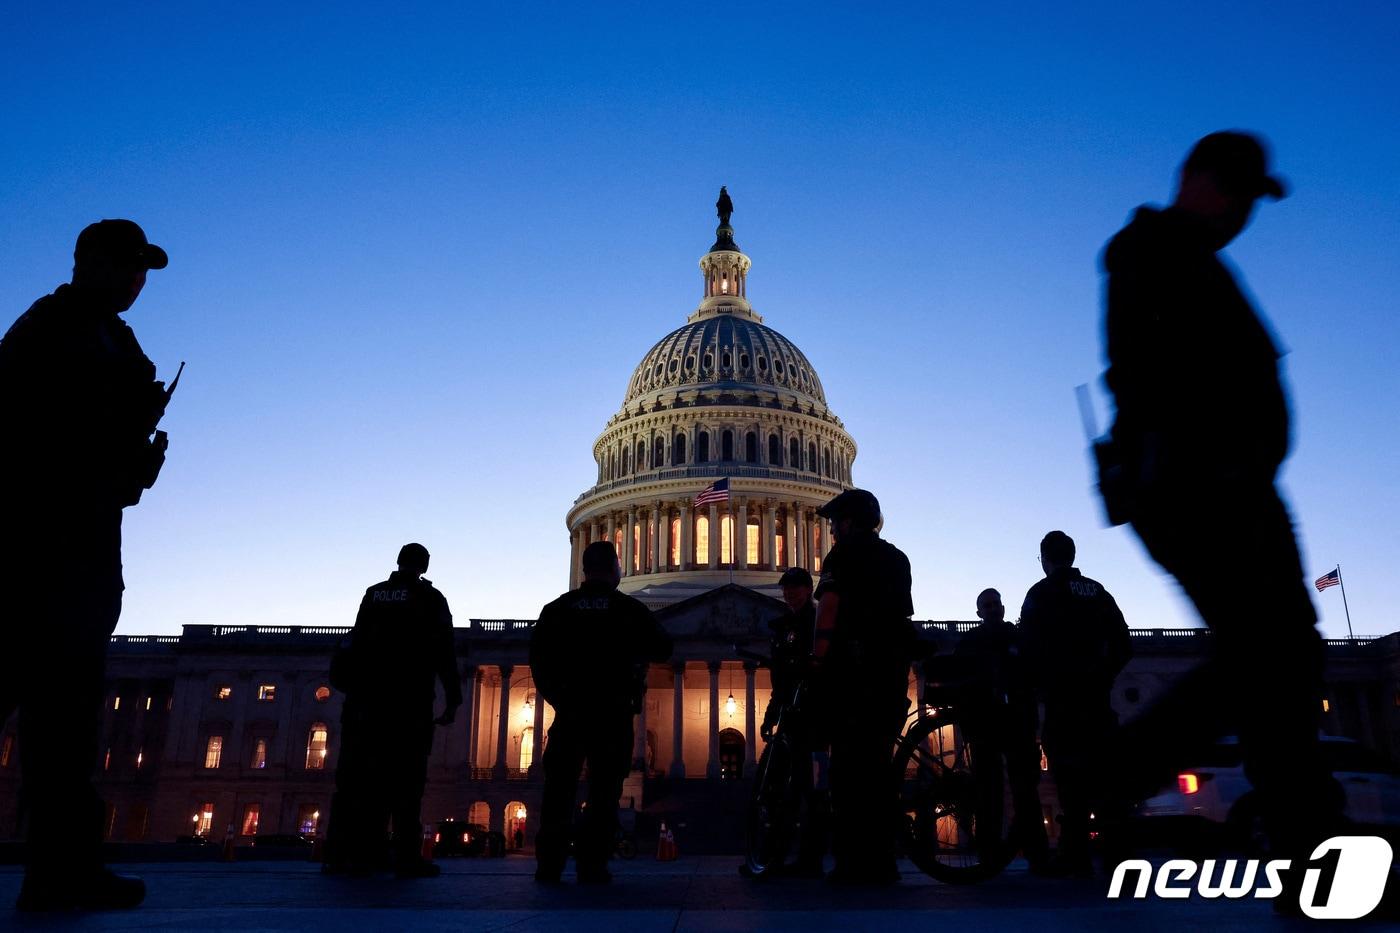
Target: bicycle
954,791
774,808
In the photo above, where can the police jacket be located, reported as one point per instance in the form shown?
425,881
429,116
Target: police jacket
993,650
790,647
874,637
1073,640
400,646
591,647
78,403
1193,369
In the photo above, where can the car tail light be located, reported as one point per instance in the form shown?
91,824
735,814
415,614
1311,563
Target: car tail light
1188,783
437,837
466,837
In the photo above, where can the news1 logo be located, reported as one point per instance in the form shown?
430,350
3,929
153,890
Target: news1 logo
1343,880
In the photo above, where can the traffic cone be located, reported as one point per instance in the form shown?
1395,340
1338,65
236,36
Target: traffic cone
666,845
228,844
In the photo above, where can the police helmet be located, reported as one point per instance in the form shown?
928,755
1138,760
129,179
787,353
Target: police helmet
858,505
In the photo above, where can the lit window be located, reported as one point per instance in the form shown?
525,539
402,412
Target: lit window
726,539
308,819
637,563
752,545
267,692
316,743
250,819
702,540
148,703
527,747
214,751
223,692
140,756
5,751
204,820
1326,705
260,754
675,542
323,693
116,702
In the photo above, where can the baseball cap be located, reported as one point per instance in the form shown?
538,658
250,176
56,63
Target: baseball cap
120,239
860,505
1240,161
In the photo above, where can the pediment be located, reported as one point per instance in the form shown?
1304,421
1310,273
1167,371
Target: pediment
726,614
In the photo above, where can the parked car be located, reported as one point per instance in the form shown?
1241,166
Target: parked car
1214,800
458,838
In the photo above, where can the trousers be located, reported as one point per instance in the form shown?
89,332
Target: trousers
379,781
603,739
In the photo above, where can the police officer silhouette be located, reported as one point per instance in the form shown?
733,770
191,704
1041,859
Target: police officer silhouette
79,402
1074,642
401,645
589,653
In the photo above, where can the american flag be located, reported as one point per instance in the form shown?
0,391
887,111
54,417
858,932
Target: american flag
718,491
1328,579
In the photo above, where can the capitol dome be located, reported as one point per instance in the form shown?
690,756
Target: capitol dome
721,400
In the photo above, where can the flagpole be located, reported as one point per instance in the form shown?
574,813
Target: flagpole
1344,601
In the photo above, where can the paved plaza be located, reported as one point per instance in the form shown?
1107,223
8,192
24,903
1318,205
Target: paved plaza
695,893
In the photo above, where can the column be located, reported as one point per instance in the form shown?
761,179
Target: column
628,549
475,690
712,766
466,716
678,721
503,730
741,534
687,536
790,558
612,528
714,535
656,565
750,721
770,536
537,738
574,555
639,739
663,541
802,549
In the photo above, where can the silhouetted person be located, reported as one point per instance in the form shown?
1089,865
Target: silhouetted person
78,403
1008,722
1074,642
862,648
401,645
1201,429
790,648
589,653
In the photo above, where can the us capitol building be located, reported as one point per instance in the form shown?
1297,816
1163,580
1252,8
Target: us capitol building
236,728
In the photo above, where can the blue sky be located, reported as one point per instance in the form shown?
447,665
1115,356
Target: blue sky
416,253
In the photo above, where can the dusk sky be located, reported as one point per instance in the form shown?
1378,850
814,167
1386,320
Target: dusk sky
416,253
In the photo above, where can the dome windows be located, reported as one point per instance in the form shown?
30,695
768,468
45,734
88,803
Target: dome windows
762,365
690,364
675,365
708,363
743,361
778,367
727,360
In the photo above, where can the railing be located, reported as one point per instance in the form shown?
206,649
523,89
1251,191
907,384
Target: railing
713,471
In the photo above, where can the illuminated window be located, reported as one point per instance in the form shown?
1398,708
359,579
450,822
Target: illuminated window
260,754
479,813
702,539
140,757
116,702
781,556
214,751
148,703
267,692
316,742
5,751
223,692
323,693
204,820
1326,705
250,819
527,747
308,819
675,542
726,539
752,544
637,562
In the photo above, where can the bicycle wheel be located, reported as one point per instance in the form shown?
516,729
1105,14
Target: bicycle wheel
955,801
768,826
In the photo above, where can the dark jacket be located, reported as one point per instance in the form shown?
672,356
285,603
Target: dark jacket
401,644
78,403
790,647
874,637
1074,642
1193,369
993,650
591,647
